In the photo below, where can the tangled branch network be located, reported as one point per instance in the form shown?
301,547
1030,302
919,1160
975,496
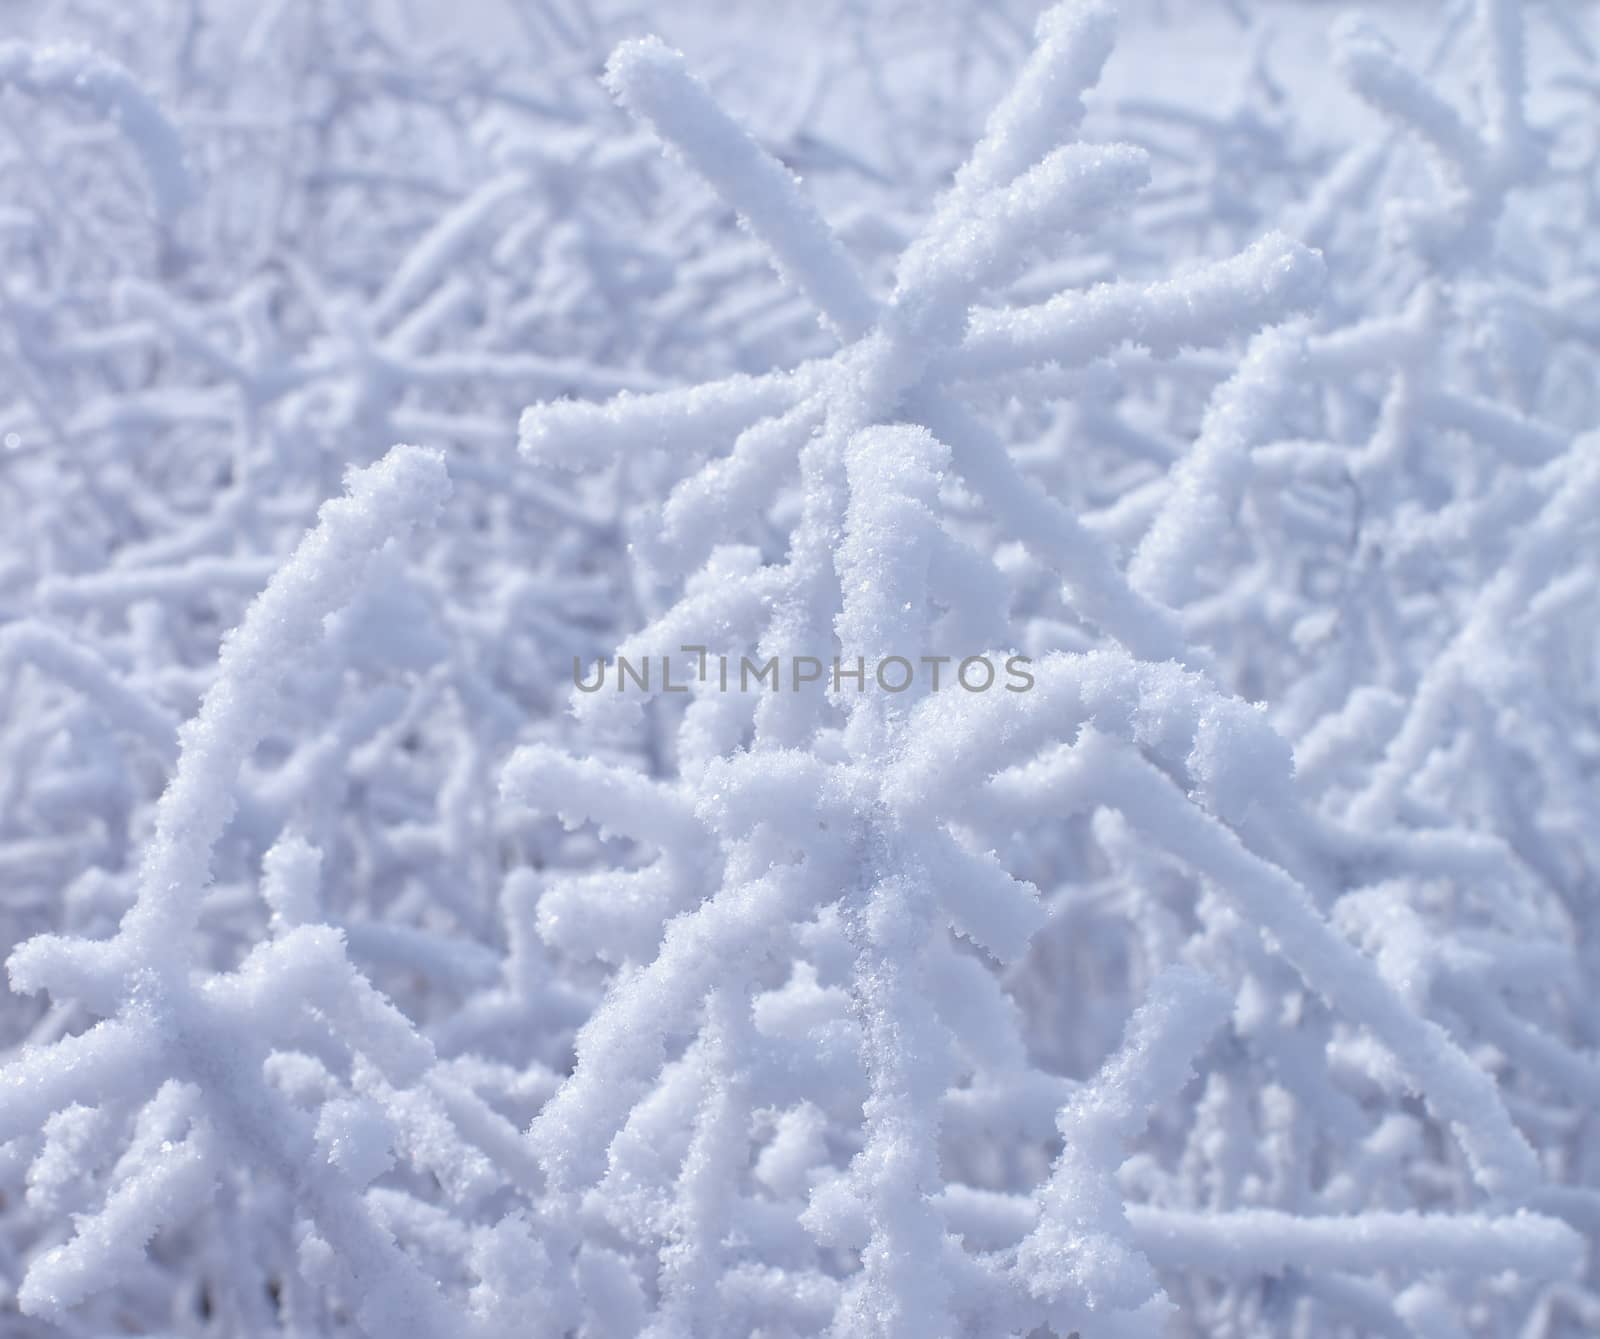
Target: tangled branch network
1227,969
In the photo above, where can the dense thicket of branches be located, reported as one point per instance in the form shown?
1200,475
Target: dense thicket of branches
1237,978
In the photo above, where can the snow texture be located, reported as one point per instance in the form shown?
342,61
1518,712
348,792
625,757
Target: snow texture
975,714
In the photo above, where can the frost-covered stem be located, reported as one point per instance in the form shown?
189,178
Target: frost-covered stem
123,707
1080,1247
1250,1243
1370,66
1478,650
1043,107
1096,585
574,434
84,75
1224,299
1206,485
326,571
903,1291
1455,1089
652,81
708,1190
1506,47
